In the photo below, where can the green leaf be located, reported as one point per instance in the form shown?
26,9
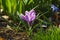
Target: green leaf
8,4
31,1
25,1
20,6
13,5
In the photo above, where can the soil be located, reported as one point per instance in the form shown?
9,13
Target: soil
6,33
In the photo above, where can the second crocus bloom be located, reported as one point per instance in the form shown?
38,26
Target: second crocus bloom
54,8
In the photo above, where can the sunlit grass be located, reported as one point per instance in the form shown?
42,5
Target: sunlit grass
51,34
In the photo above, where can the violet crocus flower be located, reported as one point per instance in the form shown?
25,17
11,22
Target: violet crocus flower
54,8
29,16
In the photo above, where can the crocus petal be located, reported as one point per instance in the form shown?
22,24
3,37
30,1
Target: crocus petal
26,13
27,16
33,17
22,16
32,12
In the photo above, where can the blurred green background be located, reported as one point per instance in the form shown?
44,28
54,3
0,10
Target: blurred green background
14,8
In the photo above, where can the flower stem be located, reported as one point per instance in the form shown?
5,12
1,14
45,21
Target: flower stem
29,30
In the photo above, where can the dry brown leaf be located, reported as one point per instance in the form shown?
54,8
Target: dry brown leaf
1,38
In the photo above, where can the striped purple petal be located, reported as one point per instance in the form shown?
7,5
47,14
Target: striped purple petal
32,14
27,16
